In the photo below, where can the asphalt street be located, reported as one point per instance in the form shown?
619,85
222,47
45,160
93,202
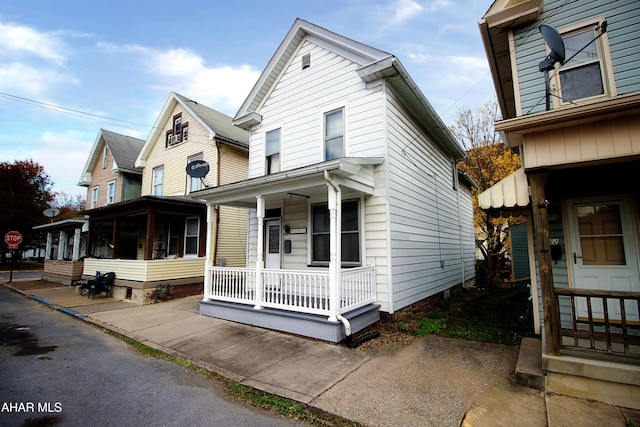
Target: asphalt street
56,370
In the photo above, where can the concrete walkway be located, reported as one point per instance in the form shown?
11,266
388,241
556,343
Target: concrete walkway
432,382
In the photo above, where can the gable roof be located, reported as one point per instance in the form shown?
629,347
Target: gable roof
219,125
124,150
375,64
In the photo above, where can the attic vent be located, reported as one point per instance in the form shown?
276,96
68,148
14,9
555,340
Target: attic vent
306,61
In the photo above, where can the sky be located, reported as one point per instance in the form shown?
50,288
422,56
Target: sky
70,68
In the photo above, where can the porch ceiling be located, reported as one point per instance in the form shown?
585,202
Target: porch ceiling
352,174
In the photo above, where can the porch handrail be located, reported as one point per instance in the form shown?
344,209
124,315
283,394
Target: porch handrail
603,335
305,291
358,287
232,285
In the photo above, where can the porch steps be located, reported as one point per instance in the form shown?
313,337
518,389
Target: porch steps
308,325
529,367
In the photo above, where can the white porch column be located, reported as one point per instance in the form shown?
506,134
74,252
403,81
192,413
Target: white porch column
76,244
208,252
335,243
47,254
62,245
260,208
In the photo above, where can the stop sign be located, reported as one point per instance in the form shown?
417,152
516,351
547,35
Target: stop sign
13,239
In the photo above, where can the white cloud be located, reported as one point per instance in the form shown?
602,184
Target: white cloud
25,79
20,39
70,151
222,87
404,10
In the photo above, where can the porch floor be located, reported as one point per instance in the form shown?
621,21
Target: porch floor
309,325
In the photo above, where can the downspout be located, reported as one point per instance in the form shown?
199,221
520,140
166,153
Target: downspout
345,322
217,208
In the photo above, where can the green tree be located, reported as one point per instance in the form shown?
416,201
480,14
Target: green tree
25,193
489,161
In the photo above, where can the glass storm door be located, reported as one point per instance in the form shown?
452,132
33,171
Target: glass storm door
272,252
604,253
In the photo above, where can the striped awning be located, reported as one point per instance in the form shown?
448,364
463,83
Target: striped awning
511,192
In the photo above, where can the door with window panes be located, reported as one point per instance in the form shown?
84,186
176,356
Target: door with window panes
603,252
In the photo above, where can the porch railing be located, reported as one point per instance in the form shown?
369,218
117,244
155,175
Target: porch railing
615,329
304,291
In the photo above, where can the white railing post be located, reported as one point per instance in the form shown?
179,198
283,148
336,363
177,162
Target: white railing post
260,252
334,253
208,279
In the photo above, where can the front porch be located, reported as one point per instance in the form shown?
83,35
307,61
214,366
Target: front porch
298,302
136,280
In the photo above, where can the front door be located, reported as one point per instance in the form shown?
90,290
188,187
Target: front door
603,251
272,253
272,245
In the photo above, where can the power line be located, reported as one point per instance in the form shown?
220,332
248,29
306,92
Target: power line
71,111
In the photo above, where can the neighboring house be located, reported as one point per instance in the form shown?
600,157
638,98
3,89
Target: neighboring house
160,236
110,174
111,177
356,204
65,249
579,158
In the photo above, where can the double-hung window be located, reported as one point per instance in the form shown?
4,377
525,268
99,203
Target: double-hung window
272,151
94,197
334,134
111,192
194,183
191,236
105,157
584,75
350,247
158,176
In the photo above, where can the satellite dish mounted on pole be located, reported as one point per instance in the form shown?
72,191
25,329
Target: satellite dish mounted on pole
553,39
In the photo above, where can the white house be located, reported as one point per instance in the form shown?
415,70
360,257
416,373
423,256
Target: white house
356,205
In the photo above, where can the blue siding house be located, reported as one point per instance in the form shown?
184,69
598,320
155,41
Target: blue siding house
570,103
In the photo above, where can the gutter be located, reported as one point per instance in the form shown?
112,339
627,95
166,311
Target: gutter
345,322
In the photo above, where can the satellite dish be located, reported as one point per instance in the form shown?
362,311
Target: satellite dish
197,168
51,212
553,39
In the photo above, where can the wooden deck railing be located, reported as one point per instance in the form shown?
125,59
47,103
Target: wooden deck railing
613,333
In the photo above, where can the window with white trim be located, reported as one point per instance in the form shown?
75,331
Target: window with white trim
272,141
334,134
586,74
320,233
105,157
158,176
111,192
191,236
94,197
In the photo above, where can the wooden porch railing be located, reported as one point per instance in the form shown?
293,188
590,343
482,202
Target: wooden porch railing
611,334
304,291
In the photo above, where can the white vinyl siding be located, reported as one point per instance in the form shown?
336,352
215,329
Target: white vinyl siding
431,224
401,221
301,97
173,158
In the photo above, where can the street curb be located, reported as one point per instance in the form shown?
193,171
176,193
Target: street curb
199,364
46,302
